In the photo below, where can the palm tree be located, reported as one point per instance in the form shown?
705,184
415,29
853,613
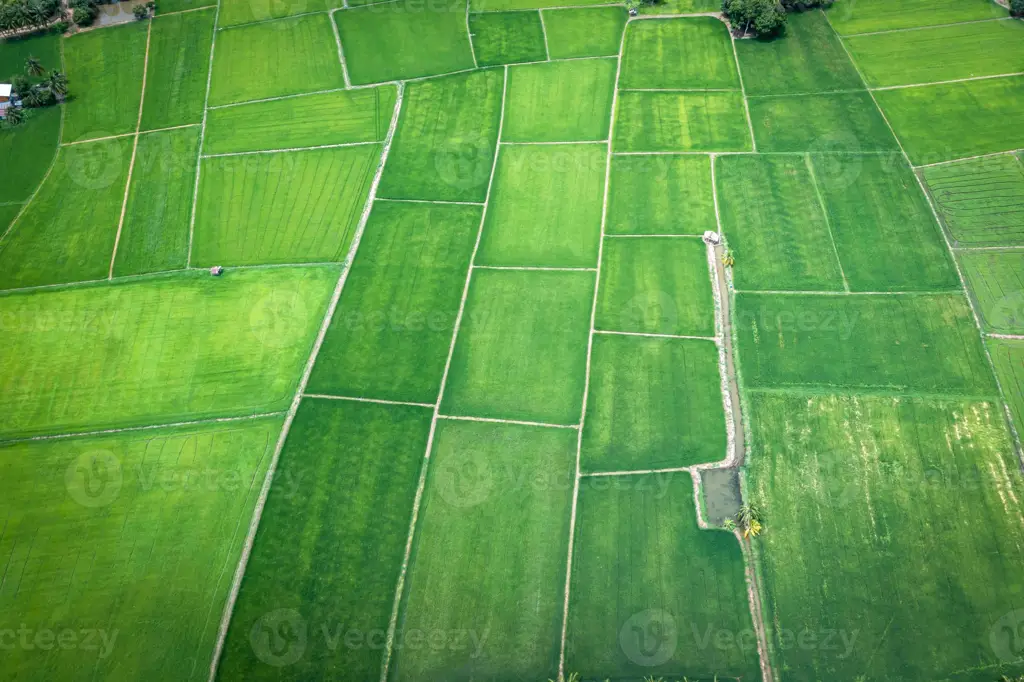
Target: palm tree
34,67
32,99
750,521
15,116
57,84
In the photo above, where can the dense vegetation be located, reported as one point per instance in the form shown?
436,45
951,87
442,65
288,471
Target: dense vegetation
764,17
20,14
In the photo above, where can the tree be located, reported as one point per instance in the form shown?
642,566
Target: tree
764,17
14,116
32,99
750,521
57,83
141,12
20,85
1017,8
34,67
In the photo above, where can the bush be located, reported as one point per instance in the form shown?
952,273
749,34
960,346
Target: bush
60,27
83,16
1017,8
803,5
764,17
141,12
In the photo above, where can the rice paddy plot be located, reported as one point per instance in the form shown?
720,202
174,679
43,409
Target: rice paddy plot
179,61
981,202
445,143
1008,361
169,6
775,224
496,5
104,70
28,152
403,39
652,594
996,281
289,207
564,101
14,52
119,549
67,233
584,32
507,37
341,502
284,57
681,7
8,212
488,570
894,533
842,122
681,121
661,194
390,335
866,16
157,350
654,403
685,53
235,12
939,123
545,207
807,58
659,285
905,345
154,237
522,348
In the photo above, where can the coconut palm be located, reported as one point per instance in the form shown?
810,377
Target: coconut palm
57,84
14,116
750,521
34,67
32,99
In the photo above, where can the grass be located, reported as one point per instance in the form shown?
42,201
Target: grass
67,233
681,7
945,122
652,594
307,121
390,335
158,350
235,12
507,37
690,53
490,554
342,499
886,234
495,5
894,525
846,122
568,101
104,70
8,212
15,51
807,58
660,195
656,286
674,121
155,235
866,16
404,39
584,32
906,345
996,281
28,152
777,229
284,57
545,207
445,143
980,202
1008,358
293,207
179,61
521,351
168,6
653,403
135,534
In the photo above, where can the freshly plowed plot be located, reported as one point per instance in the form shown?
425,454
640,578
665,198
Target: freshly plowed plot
341,502
1008,359
587,32
293,207
887,236
777,230
284,57
658,285
545,207
568,101
306,121
522,347
996,279
489,565
124,545
907,344
234,12
981,202
67,233
404,39
661,194
179,62
653,594
944,122
692,53
445,144
154,237
507,37
867,16
159,350
654,403
894,540
847,122
678,121
393,327
28,153
808,58
104,69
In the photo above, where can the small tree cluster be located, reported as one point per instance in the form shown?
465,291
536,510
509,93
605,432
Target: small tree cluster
83,12
20,14
51,89
143,11
761,17
1017,8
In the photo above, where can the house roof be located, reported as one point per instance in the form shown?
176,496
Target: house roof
5,89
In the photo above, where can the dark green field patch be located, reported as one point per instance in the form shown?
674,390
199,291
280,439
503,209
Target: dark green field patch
689,53
1008,360
584,32
391,332
654,403
15,51
567,101
677,121
27,152
8,212
169,6
996,280
845,122
507,37
179,62
660,194
981,202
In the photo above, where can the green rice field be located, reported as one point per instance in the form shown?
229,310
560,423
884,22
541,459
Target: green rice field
179,59
980,202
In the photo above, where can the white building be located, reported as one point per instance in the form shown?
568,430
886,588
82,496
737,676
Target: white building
5,98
